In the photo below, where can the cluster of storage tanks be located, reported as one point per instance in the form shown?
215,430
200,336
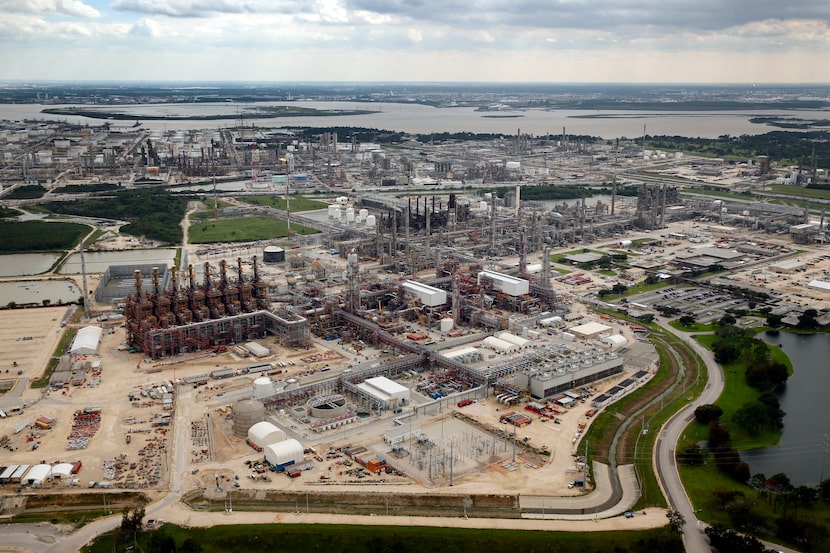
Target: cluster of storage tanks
249,422
350,216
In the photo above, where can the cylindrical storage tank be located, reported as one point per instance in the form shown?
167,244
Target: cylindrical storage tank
335,212
264,433
371,221
247,413
446,324
263,387
273,254
284,453
332,209
363,213
291,384
350,215
482,206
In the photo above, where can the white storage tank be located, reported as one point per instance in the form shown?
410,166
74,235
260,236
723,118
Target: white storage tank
350,215
263,387
371,221
363,213
284,453
446,324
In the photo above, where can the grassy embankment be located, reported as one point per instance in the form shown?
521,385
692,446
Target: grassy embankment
653,404
301,538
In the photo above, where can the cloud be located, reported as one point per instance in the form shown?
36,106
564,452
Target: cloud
208,8
660,16
145,27
72,8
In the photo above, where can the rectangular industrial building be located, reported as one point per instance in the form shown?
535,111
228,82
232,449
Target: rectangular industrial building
820,285
787,267
589,330
387,392
427,295
506,284
543,384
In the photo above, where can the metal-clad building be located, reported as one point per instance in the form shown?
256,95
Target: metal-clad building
427,295
507,284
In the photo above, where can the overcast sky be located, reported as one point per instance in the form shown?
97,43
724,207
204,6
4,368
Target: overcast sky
684,41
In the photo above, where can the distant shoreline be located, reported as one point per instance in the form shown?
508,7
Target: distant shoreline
274,112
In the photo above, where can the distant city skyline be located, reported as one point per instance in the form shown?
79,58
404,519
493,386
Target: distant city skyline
669,41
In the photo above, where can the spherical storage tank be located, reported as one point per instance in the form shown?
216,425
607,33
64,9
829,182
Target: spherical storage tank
273,254
263,387
284,453
247,413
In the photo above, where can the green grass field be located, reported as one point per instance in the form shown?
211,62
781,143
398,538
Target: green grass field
800,191
297,203
697,327
300,538
245,229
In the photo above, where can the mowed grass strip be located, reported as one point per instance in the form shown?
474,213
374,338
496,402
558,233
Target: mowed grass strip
298,538
244,229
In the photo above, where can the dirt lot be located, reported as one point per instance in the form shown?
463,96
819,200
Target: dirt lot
483,461
28,337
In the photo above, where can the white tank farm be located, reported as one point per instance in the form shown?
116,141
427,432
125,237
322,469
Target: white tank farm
264,433
284,453
263,387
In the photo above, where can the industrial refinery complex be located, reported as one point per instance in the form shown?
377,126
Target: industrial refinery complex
437,331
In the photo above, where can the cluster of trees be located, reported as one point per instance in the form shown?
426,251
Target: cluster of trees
39,236
361,134
155,214
777,490
762,372
724,539
89,187
26,192
806,320
789,146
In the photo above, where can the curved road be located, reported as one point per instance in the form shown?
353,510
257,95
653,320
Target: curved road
664,463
